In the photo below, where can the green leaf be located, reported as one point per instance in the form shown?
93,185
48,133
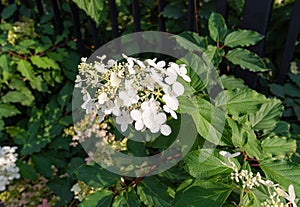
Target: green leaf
153,193
240,100
1,125
8,11
42,164
252,145
217,27
126,198
25,68
96,176
172,11
283,172
295,78
246,60
267,116
194,41
277,90
202,193
43,62
278,146
8,110
26,171
5,70
93,8
231,82
242,38
292,90
61,187
206,163
18,97
237,133
101,198
208,119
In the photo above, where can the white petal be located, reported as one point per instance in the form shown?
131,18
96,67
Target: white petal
166,108
170,79
186,78
136,115
173,114
145,105
165,130
124,127
139,125
161,118
178,88
171,102
291,193
155,128
161,64
182,70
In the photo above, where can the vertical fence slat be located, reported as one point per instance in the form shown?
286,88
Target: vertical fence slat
256,17
114,17
76,21
161,19
222,7
191,10
39,6
57,17
136,15
289,47
96,39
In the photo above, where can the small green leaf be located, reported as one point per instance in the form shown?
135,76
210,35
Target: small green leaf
43,62
267,116
18,97
240,100
295,79
101,198
126,198
206,163
242,38
1,125
5,70
42,164
278,146
209,120
247,60
61,187
26,171
277,90
153,193
202,194
283,172
252,145
217,27
25,68
231,82
8,110
96,176
191,41
172,11
292,90
8,11
93,8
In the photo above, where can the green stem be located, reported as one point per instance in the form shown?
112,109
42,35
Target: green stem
242,197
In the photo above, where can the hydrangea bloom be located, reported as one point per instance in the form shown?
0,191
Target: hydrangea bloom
141,93
8,168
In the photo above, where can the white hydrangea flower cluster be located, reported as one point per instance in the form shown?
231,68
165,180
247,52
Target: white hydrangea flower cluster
135,92
273,201
8,168
248,179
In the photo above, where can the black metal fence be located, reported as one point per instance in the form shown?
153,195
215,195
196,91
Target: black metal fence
256,16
